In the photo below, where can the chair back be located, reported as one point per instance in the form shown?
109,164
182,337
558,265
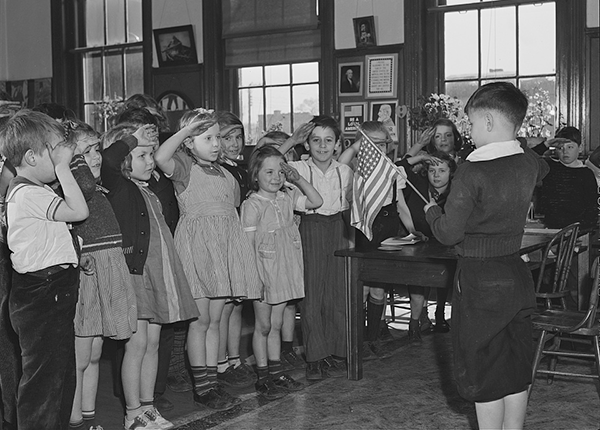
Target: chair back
557,257
593,306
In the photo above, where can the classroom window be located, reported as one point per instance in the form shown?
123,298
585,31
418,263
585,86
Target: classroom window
514,43
111,55
279,96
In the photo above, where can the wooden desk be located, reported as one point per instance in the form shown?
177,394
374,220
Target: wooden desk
428,264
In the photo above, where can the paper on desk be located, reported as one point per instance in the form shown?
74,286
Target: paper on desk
398,240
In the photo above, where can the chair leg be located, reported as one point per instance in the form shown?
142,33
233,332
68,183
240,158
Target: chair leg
536,361
596,344
392,304
553,358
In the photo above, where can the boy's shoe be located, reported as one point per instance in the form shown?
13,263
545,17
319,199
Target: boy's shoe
286,366
248,370
287,383
153,415
333,368
414,333
179,382
314,371
441,325
294,359
141,422
234,378
216,398
384,332
269,391
378,350
426,323
367,352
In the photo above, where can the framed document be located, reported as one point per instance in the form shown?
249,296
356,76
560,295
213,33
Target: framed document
382,75
352,116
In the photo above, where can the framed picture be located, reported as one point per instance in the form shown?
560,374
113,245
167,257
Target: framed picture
352,116
350,79
175,46
385,111
174,104
382,75
364,31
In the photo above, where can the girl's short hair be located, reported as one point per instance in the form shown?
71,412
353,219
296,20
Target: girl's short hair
229,119
447,158
118,132
256,161
77,130
373,127
27,130
458,141
203,119
327,122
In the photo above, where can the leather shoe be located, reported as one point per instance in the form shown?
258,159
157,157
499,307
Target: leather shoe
163,404
314,371
441,326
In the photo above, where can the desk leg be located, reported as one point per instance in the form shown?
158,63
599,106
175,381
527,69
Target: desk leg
354,319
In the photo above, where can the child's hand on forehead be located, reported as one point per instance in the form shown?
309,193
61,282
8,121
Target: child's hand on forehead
62,153
291,174
426,136
147,135
430,160
301,133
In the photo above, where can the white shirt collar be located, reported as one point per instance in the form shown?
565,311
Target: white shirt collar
494,150
574,165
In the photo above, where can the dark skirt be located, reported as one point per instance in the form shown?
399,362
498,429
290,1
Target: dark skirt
491,331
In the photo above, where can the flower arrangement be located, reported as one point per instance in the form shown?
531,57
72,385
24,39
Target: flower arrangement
108,108
433,107
539,119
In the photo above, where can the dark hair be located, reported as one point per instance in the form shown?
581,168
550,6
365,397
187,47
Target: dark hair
256,161
503,97
137,116
327,122
76,130
446,158
56,111
457,137
148,103
571,133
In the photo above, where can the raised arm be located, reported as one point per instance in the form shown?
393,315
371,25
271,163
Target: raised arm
348,155
313,198
422,143
74,208
164,155
300,136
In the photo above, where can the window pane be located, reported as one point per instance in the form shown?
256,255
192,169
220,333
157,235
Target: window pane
455,2
115,21
306,103
461,90
277,75
278,107
461,45
305,72
489,81
498,42
92,75
134,23
114,74
540,119
537,39
94,22
93,118
134,71
251,113
251,77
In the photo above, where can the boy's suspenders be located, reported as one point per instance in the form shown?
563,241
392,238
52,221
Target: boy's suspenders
339,175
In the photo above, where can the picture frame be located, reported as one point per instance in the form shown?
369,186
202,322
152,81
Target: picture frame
175,46
364,31
385,111
174,104
352,115
382,75
350,79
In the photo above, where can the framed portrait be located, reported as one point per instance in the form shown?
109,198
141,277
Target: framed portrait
385,111
352,116
350,79
382,75
364,31
175,46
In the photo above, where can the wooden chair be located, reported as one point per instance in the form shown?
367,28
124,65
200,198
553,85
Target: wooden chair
572,325
554,267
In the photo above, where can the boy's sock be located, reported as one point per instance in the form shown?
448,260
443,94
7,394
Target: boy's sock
275,367
131,413
263,374
222,366
146,404
287,346
211,373
374,311
200,378
235,361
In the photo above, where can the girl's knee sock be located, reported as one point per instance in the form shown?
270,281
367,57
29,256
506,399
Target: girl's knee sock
275,367
177,363
211,372
200,378
374,311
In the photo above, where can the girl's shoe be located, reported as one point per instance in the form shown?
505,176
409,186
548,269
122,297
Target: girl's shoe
141,422
286,382
216,398
155,416
441,325
293,359
269,391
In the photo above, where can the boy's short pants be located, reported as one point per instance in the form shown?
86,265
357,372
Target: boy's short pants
491,327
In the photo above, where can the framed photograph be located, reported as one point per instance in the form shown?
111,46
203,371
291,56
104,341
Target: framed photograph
385,112
175,46
352,116
382,75
350,79
364,31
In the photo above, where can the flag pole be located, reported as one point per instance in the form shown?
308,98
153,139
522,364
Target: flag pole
398,169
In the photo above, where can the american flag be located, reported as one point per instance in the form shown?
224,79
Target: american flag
372,180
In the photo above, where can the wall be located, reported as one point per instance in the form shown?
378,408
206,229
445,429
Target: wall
173,13
389,21
25,45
